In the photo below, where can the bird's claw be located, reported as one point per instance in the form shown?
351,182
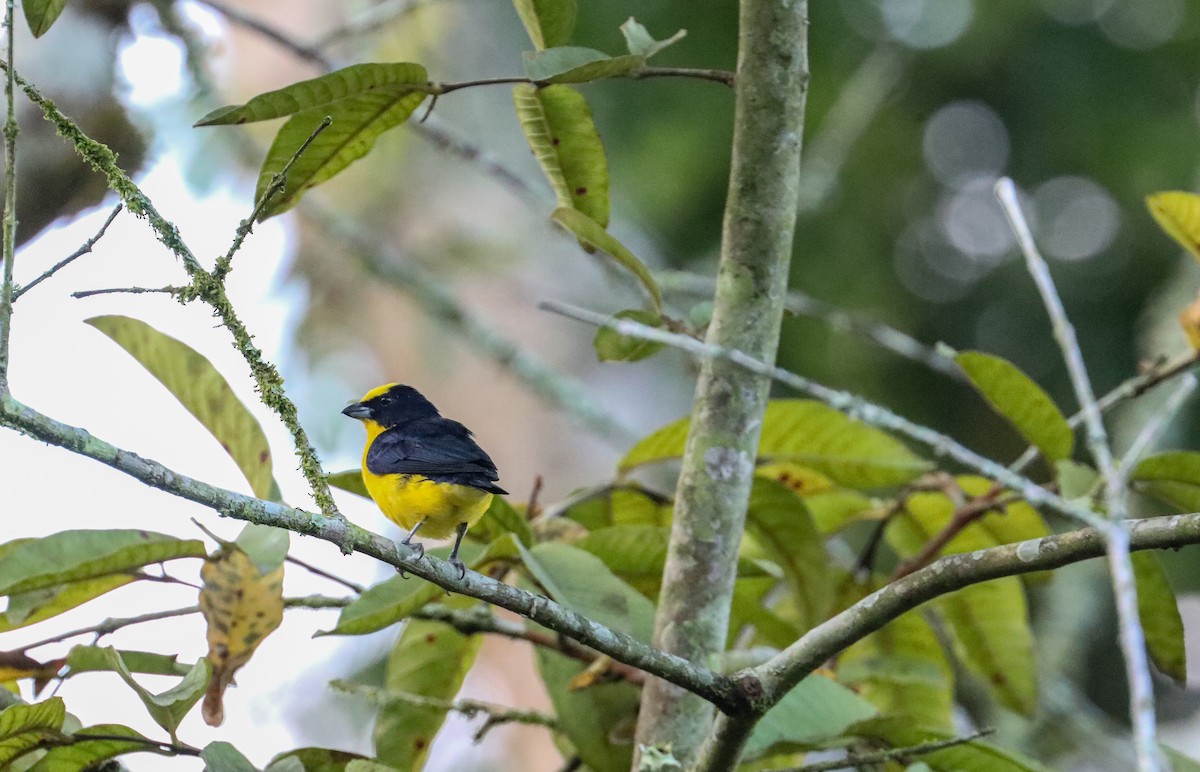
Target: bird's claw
462,567
419,547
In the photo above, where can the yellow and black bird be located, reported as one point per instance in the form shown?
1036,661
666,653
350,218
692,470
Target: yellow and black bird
424,471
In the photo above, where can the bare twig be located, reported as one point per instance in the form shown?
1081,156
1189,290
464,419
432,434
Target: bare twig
308,53
1155,426
860,760
371,19
175,291
349,585
83,250
1132,638
964,515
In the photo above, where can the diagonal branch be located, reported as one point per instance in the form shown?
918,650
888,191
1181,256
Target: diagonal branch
83,250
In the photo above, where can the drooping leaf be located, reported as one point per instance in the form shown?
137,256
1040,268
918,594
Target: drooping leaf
430,659
814,711
902,669
351,480
618,505
580,581
847,451
592,234
265,545
1016,397
41,14
989,621
548,22
571,64
222,756
591,718
1159,615
72,556
777,520
640,42
88,659
612,346
973,756
1178,213
242,606
84,754
203,391
167,708
1172,477
22,726
313,760
557,124
27,608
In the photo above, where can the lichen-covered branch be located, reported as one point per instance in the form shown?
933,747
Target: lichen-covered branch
718,463
8,251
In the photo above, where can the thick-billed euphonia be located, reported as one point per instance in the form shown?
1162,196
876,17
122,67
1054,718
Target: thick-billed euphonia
424,471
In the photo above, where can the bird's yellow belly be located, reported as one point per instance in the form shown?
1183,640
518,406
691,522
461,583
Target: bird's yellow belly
411,499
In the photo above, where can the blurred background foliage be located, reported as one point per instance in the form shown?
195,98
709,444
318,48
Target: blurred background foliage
916,107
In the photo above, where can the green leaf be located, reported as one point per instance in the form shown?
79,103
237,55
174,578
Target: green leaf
1014,522
973,756
499,519
581,582
612,346
902,669
640,42
71,556
430,659
351,480
265,545
849,452
1159,615
548,22
618,505
314,760
84,754
989,621
394,599
591,718
833,510
750,607
167,708
1016,397
226,758
815,711
22,727
329,93
1180,762
90,659
1172,477
1075,480
571,64
203,391
27,608
368,765
777,520
592,235
557,124
41,14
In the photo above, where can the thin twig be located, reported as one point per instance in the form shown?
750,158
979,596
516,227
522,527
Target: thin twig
176,291
860,760
1132,638
850,404
8,251
887,338
968,513
372,19
253,23
353,587
278,181
1154,427
496,714
83,250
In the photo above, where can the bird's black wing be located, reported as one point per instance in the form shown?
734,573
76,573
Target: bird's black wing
437,448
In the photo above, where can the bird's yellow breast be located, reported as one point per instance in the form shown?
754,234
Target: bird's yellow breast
408,499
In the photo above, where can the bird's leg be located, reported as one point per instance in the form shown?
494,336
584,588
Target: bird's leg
454,561
407,541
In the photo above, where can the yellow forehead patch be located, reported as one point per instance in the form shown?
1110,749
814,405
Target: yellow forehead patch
377,391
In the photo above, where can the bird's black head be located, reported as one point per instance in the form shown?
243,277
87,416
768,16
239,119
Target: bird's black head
391,405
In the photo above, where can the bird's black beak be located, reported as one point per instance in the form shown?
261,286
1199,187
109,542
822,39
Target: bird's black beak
358,410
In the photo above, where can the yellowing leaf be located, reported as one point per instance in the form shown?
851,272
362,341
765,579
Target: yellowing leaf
1178,213
200,388
1016,397
557,124
809,433
241,606
801,480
